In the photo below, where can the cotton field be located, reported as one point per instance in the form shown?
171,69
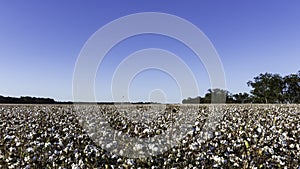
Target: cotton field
199,136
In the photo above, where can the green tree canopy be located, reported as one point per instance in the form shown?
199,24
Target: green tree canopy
267,88
292,88
242,98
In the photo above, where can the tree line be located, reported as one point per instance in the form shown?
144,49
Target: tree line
39,100
27,100
265,88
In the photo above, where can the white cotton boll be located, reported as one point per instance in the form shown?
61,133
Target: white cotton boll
292,146
121,152
74,166
29,136
56,152
76,155
130,162
192,147
27,158
138,147
29,149
8,137
81,163
18,144
60,143
259,130
108,145
47,144
11,166
146,131
155,149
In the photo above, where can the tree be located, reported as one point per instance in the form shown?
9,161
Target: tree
27,100
267,88
242,98
216,96
190,100
292,88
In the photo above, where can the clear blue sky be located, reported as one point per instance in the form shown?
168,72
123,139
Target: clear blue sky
40,42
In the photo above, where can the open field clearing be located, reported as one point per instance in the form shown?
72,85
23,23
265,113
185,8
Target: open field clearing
215,136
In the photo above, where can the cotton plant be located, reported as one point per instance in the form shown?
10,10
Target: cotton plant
62,136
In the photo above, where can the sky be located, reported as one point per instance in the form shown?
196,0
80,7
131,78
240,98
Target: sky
40,42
